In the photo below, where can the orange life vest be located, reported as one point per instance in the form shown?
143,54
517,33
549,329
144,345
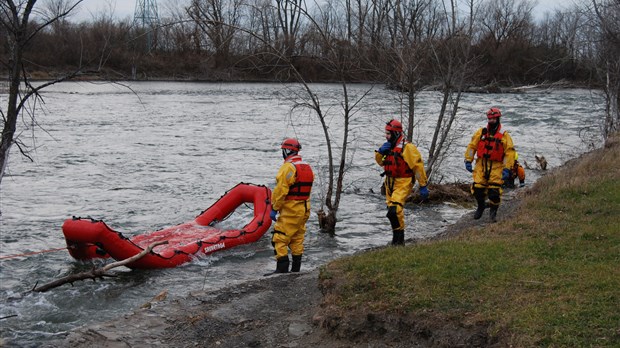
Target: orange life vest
394,163
300,190
517,171
490,146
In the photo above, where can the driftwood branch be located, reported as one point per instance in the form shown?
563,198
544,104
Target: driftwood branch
96,272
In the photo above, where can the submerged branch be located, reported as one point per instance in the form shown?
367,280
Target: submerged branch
96,272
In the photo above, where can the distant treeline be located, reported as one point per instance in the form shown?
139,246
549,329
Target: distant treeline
341,40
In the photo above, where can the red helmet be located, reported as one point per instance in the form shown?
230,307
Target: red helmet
394,126
494,113
291,144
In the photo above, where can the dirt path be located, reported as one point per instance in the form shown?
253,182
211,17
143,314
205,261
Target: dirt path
277,311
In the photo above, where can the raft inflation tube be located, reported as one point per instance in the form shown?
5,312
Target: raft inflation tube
89,239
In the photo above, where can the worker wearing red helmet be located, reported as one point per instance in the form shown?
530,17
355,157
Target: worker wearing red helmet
290,204
494,152
402,165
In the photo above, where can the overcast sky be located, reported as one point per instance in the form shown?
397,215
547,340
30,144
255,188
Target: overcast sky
125,8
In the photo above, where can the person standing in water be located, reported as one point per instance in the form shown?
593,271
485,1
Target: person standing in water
402,165
290,204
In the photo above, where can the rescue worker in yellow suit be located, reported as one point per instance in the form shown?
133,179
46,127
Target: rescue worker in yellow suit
495,155
290,204
402,165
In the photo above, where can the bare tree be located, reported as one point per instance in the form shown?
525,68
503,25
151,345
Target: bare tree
218,20
177,32
559,39
506,30
258,24
431,42
16,23
410,51
607,16
289,19
340,60
454,63
507,19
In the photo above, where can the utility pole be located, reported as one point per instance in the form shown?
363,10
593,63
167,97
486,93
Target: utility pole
146,20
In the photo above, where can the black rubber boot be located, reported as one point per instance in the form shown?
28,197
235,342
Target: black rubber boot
296,266
478,212
480,199
399,237
393,217
494,202
493,213
282,265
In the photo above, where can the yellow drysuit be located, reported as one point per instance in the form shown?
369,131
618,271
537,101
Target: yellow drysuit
290,226
398,189
487,173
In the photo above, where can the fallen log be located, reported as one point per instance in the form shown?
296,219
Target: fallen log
95,272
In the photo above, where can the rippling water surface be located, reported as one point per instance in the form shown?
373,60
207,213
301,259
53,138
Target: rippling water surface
144,156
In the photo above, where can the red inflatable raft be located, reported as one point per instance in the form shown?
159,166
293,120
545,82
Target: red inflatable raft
89,239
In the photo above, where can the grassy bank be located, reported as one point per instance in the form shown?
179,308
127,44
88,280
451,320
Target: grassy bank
547,276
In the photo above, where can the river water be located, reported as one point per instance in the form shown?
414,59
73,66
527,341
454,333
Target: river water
144,156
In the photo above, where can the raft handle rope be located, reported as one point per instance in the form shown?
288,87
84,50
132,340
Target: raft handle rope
7,257
32,253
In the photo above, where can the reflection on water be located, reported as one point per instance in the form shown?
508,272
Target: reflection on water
157,158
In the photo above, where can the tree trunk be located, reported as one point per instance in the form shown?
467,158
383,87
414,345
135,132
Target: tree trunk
327,221
16,22
16,35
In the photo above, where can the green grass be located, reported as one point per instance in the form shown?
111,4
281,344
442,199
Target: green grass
549,276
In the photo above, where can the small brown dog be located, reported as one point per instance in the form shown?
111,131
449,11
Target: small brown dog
542,162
